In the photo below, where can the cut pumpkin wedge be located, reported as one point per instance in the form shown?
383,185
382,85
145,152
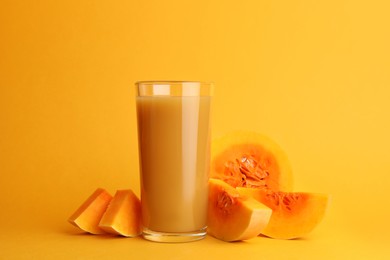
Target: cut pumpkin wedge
88,215
123,215
232,217
294,214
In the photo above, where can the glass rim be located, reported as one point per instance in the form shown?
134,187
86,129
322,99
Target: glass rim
152,82
174,88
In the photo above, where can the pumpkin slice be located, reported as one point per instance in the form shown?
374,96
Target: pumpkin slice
294,214
88,215
123,215
232,217
247,159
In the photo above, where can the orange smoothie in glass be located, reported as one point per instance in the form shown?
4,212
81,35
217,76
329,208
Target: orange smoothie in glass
174,150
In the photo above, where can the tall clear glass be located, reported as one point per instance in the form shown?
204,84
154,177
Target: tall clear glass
174,150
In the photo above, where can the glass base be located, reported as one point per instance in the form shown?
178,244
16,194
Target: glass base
181,237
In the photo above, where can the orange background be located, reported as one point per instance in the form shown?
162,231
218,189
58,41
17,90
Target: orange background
312,75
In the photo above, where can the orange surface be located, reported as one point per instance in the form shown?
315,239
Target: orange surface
312,75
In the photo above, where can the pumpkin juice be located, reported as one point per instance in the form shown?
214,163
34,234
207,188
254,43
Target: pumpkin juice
174,150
